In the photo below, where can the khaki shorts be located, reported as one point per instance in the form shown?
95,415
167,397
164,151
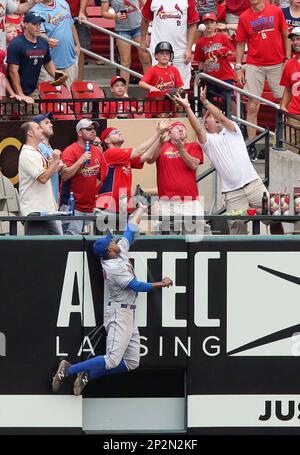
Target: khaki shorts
174,208
256,76
242,199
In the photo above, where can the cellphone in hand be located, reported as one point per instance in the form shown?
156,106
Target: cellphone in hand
124,11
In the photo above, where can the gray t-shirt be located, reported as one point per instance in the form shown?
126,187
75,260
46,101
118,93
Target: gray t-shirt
205,6
117,274
133,12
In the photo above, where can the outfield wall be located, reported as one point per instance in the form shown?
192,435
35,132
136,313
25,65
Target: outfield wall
219,349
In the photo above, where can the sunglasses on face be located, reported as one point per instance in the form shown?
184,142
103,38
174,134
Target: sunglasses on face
114,132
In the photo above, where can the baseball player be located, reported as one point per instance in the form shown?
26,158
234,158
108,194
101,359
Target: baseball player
123,341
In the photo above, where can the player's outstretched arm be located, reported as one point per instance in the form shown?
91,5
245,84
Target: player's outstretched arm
135,217
133,222
141,286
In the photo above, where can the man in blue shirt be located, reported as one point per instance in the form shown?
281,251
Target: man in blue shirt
44,120
26,55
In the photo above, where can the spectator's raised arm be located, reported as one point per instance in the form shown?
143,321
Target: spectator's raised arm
26,6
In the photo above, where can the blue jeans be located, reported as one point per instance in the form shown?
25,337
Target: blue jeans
130,34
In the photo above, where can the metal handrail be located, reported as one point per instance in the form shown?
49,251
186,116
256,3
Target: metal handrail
13,220
231,87
239,91
111,61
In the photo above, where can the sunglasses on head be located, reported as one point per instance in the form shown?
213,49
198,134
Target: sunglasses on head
90,128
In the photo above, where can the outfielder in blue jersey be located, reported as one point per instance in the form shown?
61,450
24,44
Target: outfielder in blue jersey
123,340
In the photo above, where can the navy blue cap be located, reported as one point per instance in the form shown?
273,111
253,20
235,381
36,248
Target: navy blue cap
33,18
39,118
101,245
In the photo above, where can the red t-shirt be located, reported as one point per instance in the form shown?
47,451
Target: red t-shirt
165,79
237,7
221,11
118,179
174,177
208,51
86,183
263,33
291,79
17,21
119,109
2,61
74,7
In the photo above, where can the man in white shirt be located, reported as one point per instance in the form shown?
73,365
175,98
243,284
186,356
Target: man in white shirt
35,188
222,141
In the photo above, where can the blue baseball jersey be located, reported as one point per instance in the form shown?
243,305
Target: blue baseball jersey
117,275
59,25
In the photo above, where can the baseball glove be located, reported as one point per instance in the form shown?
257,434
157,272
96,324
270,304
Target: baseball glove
142,197
60,78
173,92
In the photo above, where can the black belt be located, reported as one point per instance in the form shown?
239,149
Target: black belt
125,305
240,187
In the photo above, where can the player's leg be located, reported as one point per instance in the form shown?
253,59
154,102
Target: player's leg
119,327
132,354
118,324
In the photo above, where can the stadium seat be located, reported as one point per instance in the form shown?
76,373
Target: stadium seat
86,90
61,111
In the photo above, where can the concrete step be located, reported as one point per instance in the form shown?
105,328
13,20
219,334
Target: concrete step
259,166
102,75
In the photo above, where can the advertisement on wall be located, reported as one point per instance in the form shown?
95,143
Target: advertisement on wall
225,336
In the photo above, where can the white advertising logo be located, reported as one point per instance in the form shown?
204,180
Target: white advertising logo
263,305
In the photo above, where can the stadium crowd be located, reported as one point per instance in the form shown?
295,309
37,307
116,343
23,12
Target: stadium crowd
241,42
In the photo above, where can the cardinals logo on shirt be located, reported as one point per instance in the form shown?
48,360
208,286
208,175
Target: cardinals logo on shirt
162,86
169,14
171,153
59,17
126,169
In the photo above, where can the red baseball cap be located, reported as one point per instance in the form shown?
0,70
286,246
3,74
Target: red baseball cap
177,124
116,79
107,132
209,17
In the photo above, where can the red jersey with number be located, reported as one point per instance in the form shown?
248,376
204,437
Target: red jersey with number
211,51
291,79
174,177
165,79
118,180
87,181
263,33
119,109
